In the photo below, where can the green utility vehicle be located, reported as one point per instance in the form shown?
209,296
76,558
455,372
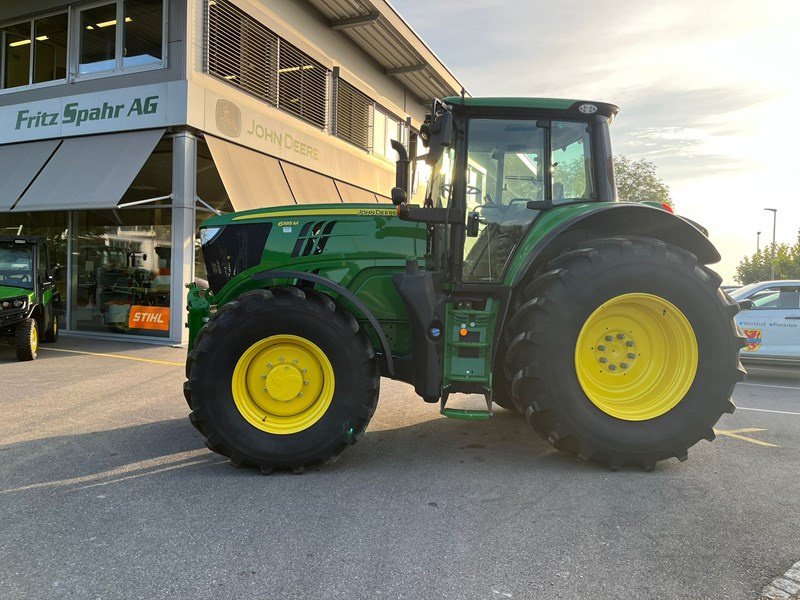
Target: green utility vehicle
519,277
27,294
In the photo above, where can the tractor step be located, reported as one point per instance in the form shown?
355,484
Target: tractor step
466,415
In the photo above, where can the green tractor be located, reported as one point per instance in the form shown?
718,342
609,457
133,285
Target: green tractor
28,297
519,278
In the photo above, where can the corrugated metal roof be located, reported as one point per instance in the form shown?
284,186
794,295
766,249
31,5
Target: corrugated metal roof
383,34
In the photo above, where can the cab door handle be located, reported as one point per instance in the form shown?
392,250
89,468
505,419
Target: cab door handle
793,318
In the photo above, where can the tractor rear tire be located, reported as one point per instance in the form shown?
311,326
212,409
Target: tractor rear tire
276,339
624,352
26,340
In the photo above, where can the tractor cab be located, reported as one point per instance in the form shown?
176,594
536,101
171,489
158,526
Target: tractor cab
497,163
27,294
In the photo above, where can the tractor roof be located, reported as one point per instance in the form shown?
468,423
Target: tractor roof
543,104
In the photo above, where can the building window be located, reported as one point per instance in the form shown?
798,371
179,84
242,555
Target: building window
243,52
387,128
34,51
302,85
125,34
354,113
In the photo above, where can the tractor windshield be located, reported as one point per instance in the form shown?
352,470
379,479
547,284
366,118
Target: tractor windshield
16,265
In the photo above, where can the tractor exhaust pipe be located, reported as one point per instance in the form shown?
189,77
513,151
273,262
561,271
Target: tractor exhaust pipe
402,175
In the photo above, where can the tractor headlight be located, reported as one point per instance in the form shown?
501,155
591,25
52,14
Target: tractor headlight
14,303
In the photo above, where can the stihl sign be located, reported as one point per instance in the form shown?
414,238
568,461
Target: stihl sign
149,317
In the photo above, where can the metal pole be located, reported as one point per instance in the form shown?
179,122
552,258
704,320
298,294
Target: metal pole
758,242
772,250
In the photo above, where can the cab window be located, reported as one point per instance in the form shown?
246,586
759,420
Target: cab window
572,162
506,168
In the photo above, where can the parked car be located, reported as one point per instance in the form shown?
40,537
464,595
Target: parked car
772,324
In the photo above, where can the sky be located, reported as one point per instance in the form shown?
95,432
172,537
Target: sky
706,89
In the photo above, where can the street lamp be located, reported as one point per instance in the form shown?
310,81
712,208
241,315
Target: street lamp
772,250
758,242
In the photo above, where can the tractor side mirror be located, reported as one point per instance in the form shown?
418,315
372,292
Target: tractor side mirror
441,135
473,222
398,196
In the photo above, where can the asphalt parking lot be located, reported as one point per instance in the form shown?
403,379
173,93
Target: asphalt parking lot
107,491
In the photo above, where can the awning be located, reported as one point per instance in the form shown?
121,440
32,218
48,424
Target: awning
252,179
91,172
310,187
19,164
351,193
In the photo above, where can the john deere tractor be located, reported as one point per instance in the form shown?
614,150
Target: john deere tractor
519,277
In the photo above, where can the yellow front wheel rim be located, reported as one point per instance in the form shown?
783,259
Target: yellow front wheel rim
283,384
636,356
34,339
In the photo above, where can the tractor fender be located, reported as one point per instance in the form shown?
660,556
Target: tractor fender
268,275
617,219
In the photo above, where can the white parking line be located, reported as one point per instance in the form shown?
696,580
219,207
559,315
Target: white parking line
780,387
778,412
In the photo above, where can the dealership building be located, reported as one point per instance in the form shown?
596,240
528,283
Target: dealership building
125,123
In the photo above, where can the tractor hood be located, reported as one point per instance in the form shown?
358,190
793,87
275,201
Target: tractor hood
10,291
335,241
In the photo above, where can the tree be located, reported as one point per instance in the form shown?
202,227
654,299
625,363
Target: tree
637,181
758,266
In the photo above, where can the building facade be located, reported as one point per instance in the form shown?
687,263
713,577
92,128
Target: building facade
125,123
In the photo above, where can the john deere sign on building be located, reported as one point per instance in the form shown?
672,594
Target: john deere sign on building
120,134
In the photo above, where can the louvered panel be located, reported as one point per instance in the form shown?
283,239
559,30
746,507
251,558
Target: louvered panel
302,85
241,50
354,115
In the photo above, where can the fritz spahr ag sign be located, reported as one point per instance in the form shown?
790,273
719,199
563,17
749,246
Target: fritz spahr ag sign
123,109
79,114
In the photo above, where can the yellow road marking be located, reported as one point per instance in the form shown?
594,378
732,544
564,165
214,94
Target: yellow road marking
136,358
735,433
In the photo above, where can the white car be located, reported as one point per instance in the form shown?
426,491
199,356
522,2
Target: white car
772,325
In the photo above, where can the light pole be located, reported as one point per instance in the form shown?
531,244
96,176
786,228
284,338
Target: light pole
758,242
772,250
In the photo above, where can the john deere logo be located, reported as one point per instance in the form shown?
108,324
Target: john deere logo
229,118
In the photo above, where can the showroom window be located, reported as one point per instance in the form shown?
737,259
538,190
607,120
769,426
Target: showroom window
33,51
120,35
120,271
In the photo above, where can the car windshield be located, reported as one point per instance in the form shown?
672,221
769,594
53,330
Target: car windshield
743,292
16,265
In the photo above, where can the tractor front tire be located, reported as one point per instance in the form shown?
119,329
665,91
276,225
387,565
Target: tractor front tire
26,340
624,351
282,379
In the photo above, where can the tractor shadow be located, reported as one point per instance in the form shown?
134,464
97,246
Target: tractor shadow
173,449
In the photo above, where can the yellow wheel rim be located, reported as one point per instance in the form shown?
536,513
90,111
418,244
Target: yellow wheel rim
34,339
636,357
283,384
